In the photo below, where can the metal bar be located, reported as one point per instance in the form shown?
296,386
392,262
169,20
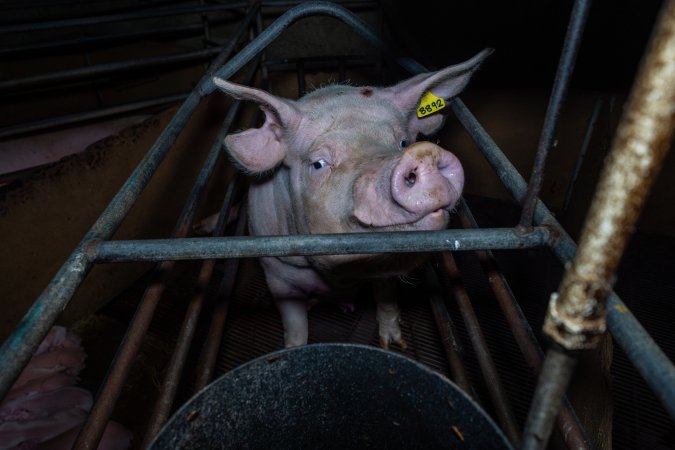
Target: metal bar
207,361
450,345
568,57
178,358
652,363
576,316
174,370
345,3
208,358
445,330
99,42
490,374
70,119
558,365
93,428
99,70
123,17
318,244
20,345
571,430
590,129
284,21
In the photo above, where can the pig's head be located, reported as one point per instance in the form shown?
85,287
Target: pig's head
351,157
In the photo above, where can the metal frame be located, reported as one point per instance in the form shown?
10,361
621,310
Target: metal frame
96,247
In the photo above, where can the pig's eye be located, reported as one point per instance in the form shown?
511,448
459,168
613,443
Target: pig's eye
319,164
403,143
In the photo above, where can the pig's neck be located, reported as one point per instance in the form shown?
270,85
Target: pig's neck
269,205
271,213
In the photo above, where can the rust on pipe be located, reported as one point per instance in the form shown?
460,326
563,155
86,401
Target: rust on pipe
568,423
450,345
167,391
576,315
487,365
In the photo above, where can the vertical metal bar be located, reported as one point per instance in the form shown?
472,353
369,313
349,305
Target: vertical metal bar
487,365
445,330
556,372
652,363
590,129
450,345
565,67
19,346
167,390
207,361
576,316
93,428
284,21
175,367
571,430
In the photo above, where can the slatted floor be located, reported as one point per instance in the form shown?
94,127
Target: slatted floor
253,328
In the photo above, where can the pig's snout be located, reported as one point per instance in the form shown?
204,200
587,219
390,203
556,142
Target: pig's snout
427,179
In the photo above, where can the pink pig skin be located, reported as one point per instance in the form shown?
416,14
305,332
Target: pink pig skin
43,409
345,159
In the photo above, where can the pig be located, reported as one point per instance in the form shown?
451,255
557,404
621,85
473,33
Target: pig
346,159
44,409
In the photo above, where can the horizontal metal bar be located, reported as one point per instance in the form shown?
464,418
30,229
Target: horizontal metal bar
70,119
81,73
571,430
19,346
98,42
643,352
123,17
326,244
291,16
345,3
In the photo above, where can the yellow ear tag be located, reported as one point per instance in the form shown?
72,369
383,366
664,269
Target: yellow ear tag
429,104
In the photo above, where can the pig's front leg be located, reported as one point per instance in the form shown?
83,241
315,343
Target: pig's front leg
292,283
388,315
294,318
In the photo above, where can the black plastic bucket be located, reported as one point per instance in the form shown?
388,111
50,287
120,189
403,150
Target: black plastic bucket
331,396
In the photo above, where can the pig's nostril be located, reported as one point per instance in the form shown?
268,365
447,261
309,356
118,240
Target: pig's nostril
410,179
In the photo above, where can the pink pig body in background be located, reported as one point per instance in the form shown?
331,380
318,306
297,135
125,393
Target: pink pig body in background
44,409
345,159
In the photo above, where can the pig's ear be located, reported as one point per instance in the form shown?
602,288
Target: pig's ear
261,149
445,83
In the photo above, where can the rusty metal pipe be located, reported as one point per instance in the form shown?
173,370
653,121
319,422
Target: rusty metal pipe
576,316
652,363
167,391
445,330
450,345
487,365
93,428
571,430
16,351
